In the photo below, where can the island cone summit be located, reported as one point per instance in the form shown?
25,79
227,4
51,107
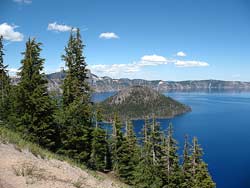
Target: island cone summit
139,101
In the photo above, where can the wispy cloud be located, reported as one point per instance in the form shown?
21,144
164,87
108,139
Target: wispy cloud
181,54
130,68
123,70
60,27
179,63
23,1
13,71
8,32
153,58
115,69
108,35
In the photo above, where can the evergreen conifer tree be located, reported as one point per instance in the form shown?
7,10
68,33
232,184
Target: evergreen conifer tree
108,159
128,155
75,117
98,157
4,86
33,106
116,143
200,174
172,178
186,165
146,174
156,142
75,86
75,131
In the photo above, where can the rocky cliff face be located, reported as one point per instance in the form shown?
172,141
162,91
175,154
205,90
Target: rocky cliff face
107,84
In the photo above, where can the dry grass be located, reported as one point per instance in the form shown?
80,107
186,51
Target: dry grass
33,173
79,182
30,171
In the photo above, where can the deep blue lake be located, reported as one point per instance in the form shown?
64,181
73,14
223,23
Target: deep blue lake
221,121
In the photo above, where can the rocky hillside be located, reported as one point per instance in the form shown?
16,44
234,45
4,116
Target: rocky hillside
139,101
107,84
25,165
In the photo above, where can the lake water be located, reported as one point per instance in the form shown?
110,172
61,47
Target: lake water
221,121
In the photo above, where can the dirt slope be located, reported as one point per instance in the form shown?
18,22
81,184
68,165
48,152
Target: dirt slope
21,169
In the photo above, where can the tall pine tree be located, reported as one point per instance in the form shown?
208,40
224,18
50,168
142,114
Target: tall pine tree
75,86
116,143
99,149
4,86
128,155
200,174
75,117
170,161
186,165
33,106
146,174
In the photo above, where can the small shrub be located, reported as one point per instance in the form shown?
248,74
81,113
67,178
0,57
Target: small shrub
79,182
35,150
28,170
18,148
25,169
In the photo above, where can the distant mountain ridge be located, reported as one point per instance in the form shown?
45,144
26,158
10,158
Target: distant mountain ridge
107,84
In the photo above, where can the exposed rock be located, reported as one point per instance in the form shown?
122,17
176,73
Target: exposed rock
107,84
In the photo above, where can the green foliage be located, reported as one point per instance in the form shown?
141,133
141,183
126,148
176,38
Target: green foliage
4,86
146,174
137,102
170,161
186,165
116,143
199,171
128,155
75,84
75,131
98,158
159,164
75,116
33,106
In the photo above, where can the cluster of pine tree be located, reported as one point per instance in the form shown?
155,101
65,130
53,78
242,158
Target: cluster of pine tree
69,125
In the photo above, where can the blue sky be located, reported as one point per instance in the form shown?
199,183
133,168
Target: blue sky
160,39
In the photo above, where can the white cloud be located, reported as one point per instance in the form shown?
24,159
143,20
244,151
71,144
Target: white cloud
181,54
179,63
123,70
8,33
23,1
153,58
115,70
60,27
108,35
135,68
13,71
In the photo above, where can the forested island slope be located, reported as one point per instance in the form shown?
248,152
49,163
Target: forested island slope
137,102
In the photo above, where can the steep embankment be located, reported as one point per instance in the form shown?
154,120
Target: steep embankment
25,165
137,102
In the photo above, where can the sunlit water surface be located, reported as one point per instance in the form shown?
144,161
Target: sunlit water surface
221,121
